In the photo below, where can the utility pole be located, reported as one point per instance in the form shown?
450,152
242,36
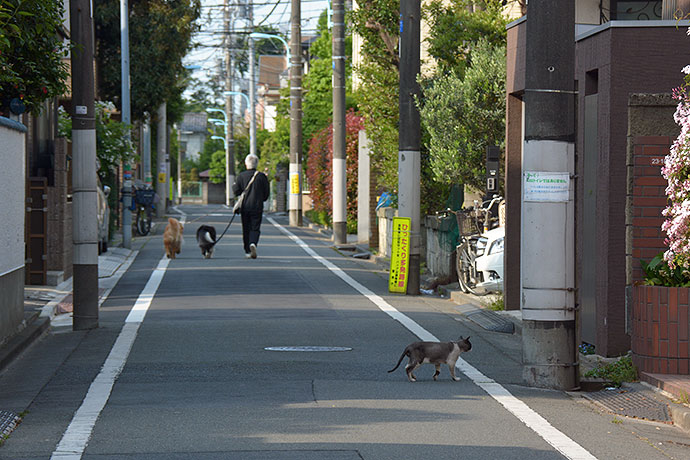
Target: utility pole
339,153
162,182
252,84
547,267
409,169
84,179
146,150
295,185
229,140
179,165
127,120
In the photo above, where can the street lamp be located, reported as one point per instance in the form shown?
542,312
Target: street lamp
270,36
217,121
225,143
252,129
229,160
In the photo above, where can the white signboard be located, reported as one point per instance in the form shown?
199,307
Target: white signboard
551,187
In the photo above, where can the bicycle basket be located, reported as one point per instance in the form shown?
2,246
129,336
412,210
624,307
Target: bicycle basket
145,197
466,224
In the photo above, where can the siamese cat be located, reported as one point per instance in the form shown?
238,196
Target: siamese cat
436,353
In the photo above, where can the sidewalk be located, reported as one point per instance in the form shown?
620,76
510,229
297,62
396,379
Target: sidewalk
52,305
662,397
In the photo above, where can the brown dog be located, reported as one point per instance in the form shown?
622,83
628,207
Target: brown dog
172,238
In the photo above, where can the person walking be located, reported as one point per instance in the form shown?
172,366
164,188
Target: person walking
256,189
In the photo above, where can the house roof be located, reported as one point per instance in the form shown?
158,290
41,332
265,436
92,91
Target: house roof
194,122
270,68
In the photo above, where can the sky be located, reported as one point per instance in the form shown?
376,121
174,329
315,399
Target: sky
274,13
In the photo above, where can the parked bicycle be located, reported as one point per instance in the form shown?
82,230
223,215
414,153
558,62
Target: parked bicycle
479,254
144,204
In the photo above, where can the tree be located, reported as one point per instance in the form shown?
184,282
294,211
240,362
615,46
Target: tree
160,36
464,116
457,25
463,103
32,69
376,22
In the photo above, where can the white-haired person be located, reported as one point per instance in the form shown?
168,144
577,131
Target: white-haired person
257,190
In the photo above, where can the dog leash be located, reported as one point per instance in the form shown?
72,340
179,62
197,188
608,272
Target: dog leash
226,229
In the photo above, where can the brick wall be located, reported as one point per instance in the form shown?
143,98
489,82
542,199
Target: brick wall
661,330
647,199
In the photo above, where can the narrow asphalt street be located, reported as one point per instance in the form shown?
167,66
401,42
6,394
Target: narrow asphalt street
181,367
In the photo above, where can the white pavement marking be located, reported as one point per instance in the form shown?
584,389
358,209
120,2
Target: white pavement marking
76,437
519,409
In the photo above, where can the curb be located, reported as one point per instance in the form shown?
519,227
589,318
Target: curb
36,327
680,413
463,299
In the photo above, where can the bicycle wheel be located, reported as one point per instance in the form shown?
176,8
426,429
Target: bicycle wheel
463,265
143,223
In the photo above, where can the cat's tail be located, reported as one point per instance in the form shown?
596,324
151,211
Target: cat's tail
404,353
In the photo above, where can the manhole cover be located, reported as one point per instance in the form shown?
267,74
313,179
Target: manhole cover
631,404
308,348
8,422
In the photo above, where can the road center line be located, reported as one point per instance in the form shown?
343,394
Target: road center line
519,409
76,437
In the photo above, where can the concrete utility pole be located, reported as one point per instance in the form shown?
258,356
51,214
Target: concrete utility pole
295,185
146,150
339,153
127,119
252,84
409,166
162,181
229,141
84,179
547,267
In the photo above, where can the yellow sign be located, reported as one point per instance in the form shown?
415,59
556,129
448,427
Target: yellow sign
294,183
161,178
400,255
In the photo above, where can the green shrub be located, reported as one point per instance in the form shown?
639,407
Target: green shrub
618,372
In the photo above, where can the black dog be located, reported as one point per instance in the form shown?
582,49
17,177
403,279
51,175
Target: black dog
206,237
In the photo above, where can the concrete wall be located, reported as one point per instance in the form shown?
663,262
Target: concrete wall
214,193
385,226
12,178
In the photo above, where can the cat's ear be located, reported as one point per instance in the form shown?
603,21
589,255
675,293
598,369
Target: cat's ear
468,338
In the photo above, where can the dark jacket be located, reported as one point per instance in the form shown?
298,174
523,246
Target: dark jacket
258,192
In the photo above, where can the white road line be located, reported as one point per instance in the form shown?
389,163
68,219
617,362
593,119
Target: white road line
519,409
76,437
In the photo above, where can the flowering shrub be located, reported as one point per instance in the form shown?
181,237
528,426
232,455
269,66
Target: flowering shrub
676,171
320,168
